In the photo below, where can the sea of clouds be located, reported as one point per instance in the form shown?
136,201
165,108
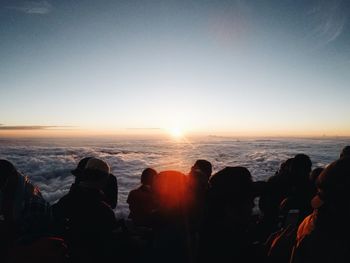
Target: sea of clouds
48,162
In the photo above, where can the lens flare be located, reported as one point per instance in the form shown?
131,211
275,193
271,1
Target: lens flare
176,132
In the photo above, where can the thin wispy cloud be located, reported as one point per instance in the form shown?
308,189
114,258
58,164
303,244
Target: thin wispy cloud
33,7
29,127
328,20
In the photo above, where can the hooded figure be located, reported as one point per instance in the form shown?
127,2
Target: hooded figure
86,219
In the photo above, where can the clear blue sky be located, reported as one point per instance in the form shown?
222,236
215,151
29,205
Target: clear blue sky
245,67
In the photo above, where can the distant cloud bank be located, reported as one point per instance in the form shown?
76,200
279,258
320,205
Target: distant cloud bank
28,127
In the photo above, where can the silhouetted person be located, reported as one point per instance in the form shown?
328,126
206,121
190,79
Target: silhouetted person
313,177
315,174
302,189
110,188
345,152
78,172
223,237
23,211
142,202
198,185
203,167
275,191
171,229
198,179
87,218
323,237
22,204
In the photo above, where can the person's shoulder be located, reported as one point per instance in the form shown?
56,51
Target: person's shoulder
132,194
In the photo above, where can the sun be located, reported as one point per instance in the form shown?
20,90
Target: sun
176,132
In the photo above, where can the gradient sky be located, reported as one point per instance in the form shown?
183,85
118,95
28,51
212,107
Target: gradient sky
216,67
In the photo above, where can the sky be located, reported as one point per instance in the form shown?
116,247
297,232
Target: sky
259,68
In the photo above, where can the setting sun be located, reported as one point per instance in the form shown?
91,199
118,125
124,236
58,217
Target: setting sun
176,132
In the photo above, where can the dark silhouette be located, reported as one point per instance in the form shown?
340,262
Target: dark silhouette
110,189
79,171
22,207
345,152
301,192
198,186
179,218
315,174
24,212
142,202
86,219
276,189
198,179
293,209
171,228
202,167
223,237
324,235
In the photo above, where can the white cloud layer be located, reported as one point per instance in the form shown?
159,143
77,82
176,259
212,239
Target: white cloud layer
48,164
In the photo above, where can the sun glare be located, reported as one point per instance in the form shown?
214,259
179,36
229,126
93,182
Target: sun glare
176,132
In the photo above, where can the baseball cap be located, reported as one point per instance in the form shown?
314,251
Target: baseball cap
81,166
98,165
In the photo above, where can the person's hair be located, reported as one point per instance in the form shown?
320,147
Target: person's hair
148,175
231,185
7,169
300,168
285,167
204,166
171,190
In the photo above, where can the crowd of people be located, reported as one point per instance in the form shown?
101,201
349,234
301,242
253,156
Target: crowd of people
303,215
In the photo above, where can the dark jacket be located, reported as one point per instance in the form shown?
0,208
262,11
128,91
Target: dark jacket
87,223
322,240
142,205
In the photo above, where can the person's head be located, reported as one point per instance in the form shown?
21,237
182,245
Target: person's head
345,152
78,171
204,167
285,167
171,191
300,168
315,174
231,193
148,176
95,174
333,186
7,171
